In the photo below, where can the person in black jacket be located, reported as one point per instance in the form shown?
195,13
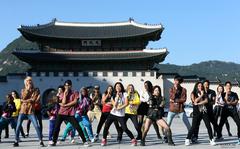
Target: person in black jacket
6,118
230,109
199,100
155,114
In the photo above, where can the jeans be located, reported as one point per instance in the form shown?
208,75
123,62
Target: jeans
183,117
69,128
15,123
38,115
87,124
51,128
5,122
33,119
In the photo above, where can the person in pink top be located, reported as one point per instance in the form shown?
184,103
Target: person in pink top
67,111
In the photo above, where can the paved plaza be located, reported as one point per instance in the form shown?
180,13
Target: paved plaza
178,129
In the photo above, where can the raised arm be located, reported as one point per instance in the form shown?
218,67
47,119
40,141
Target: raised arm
235,102
25,99
136,101
72,103
203,102
104,98
124,105
195,100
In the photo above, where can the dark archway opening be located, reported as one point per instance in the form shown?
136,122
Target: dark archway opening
46,96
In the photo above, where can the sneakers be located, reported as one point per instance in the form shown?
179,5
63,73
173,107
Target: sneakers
96,137
194,141
238,143
104,142
72,141
219,139
109,136
86,144
92,140
133,142
61,141
51,143
70,138
27,135
171,143
23,135
212,142
187,142
15,144
165,139
42,144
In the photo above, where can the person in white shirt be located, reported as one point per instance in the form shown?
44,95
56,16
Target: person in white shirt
119,102
218,108
143,108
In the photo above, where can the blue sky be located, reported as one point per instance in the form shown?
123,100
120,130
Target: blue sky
194,31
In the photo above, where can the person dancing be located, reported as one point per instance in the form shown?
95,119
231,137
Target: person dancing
155,113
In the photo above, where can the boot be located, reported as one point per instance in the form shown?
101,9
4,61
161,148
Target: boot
169,137
165,139
142,142
119,139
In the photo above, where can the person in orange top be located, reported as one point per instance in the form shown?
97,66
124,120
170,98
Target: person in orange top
178,96
37,111
27,109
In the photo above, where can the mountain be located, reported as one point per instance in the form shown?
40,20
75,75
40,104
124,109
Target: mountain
10,63
209,69
212,70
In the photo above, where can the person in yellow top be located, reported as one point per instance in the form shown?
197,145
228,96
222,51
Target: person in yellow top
134,101
17,102
131,110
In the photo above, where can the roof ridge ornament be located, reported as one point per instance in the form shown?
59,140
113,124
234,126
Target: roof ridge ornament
131,19
54,20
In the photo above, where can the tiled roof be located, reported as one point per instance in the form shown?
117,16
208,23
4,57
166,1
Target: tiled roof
91,56
56,29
